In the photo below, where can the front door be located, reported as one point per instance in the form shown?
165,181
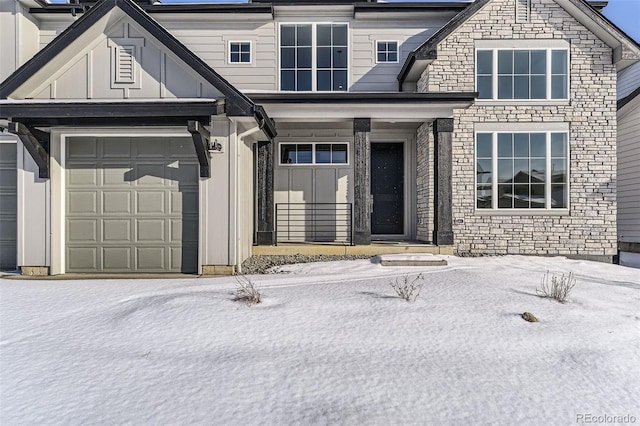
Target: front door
387,188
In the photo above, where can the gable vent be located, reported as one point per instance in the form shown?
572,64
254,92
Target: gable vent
125,65
523,11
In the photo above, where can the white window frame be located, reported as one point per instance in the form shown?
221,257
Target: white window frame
314,55
494,75
313,154
376,52
249,42
494,210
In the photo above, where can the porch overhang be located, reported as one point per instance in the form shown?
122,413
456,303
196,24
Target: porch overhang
395,106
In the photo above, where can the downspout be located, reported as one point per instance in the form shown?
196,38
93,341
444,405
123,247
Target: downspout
234,251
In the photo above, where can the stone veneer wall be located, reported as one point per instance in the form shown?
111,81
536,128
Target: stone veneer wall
589,230
424,181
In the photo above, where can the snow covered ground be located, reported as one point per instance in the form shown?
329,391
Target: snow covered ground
331,344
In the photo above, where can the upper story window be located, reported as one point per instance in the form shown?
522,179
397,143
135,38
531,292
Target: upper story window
505,74
387,51
314,153
314,57
522,170
239,52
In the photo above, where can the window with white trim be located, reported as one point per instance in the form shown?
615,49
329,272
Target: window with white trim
538,74
387,51
314,153
240,52
314,57
522,170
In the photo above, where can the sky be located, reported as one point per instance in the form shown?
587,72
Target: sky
624,13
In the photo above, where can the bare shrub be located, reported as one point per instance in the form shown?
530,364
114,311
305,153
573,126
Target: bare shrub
407,288
246,291
556,287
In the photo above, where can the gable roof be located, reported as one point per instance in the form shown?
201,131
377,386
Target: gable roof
590,17
237,104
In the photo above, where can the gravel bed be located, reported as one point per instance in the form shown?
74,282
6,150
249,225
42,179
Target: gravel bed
262,264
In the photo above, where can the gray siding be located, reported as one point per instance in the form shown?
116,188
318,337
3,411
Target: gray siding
628,80
8,204
629,175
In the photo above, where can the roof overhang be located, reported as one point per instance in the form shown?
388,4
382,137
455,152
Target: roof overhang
391,106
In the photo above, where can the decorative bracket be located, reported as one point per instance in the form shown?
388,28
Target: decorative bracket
37,144
201,137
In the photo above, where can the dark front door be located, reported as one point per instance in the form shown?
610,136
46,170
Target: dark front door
387,188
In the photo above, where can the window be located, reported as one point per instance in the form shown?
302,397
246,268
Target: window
313,57
522,170
240,52
522,74
314,153
387,51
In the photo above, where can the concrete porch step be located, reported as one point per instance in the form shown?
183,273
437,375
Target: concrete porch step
424,259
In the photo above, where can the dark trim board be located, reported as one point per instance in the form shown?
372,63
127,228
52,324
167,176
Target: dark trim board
172,121
629,247
363,97
34,110
631,96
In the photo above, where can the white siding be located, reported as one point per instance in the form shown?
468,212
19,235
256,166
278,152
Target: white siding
629,175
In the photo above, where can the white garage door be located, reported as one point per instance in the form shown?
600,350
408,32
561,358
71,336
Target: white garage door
131,205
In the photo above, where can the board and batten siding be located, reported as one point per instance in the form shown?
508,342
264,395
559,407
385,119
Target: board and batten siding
629,175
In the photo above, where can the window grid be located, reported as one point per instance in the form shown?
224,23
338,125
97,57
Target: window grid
314,153
521,74
387,51
522,170
315,64
240,52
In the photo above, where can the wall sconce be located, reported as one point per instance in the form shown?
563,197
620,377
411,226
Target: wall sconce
214,146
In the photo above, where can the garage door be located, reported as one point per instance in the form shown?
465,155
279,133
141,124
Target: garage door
8,205
131,205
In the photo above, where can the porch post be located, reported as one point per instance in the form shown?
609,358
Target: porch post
443,229
265,235
361,182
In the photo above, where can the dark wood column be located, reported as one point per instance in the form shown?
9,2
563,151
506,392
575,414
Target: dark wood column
443,229
265,235
361,181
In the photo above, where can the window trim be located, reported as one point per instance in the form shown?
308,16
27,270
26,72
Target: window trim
314,55
494,210
375,50
230,42
548,74
313,154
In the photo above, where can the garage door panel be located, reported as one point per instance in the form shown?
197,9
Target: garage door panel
116,202
116,174
82,259
82,148
8,177
150,258
182,148
82,174
116,258
116,230
114,147
150,174
185,257
82,202
8,203
144,220
8,154
150,147
150,230
150,202
82,230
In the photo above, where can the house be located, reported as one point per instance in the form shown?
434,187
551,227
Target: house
159,138
629,165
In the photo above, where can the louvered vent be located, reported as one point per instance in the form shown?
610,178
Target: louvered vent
523,11
125,65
